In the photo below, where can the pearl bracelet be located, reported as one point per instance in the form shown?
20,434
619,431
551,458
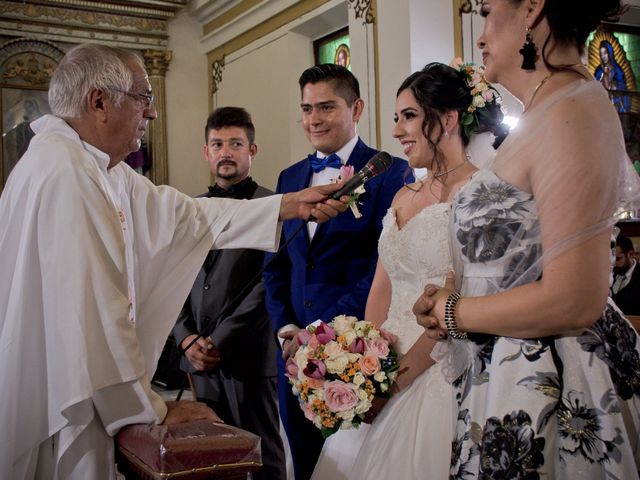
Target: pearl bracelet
450,317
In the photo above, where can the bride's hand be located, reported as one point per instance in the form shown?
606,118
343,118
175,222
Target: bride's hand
429,308
377,405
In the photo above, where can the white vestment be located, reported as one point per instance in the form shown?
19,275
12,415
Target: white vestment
95,265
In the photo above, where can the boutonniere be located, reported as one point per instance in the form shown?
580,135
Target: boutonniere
346,172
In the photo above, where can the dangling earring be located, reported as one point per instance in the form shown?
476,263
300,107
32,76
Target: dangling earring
529,52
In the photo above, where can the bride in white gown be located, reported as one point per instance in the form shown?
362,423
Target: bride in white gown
414,250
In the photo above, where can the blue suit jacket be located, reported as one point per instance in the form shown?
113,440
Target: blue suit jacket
332,274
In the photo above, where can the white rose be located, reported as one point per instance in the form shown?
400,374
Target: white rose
481,87
346,425
347,415
380,376
363,406
333,349
384,387
337,364
362,394
358,379
342,323
353,357
478,101
301,361
349,336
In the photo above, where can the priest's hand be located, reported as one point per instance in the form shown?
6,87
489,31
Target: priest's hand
202,354
188,411
313,203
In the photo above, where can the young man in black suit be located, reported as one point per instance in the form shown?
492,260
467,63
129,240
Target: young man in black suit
234,365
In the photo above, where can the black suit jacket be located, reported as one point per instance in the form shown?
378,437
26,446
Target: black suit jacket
244,337
628,298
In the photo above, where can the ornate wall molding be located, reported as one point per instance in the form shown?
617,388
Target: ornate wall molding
363,9
134,24
157,61
469,6
83,17
28,62
217,67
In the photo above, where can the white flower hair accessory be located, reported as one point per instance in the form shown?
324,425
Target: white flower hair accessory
482,95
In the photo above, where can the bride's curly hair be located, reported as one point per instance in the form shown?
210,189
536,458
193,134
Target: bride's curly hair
439,88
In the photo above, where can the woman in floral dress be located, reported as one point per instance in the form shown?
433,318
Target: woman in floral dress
550,369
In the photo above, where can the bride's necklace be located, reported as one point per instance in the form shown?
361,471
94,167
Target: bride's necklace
452,169
422,180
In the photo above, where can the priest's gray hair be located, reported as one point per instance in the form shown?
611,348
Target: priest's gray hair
84,68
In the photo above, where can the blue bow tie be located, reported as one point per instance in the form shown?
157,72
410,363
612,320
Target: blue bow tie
319,164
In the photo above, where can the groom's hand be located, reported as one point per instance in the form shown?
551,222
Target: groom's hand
290,342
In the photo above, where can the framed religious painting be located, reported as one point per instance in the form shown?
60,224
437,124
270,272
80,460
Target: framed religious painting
613,57
333,48
26,67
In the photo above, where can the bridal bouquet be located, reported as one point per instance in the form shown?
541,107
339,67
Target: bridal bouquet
339,368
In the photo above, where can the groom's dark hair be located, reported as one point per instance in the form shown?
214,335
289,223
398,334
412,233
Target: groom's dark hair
343,82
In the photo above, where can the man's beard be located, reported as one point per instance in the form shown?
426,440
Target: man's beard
621,270
231,174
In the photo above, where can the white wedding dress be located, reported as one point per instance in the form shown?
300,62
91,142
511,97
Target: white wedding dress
411,438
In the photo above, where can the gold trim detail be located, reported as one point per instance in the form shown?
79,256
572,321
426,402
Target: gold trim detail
157,61
363,9
468,6
30,69
376,76
217,67
137,462
87,18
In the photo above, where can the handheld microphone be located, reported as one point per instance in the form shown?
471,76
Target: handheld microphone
375,166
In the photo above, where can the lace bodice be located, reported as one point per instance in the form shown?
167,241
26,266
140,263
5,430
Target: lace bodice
413,256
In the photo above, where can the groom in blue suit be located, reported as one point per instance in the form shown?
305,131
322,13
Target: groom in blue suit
327,269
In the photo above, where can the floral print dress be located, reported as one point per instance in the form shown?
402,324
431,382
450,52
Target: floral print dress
558,407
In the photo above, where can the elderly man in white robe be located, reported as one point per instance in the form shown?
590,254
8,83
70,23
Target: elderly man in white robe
95,263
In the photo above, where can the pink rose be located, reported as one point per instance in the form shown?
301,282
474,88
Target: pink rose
388,336
313,342
315,369
325,333
378,347
369,365
315,383
339,396
308,412
357,346
291,368
346,172
303,336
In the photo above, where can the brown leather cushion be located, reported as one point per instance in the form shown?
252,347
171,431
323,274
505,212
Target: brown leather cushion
193,450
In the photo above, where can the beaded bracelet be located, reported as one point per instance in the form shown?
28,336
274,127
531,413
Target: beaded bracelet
450,317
